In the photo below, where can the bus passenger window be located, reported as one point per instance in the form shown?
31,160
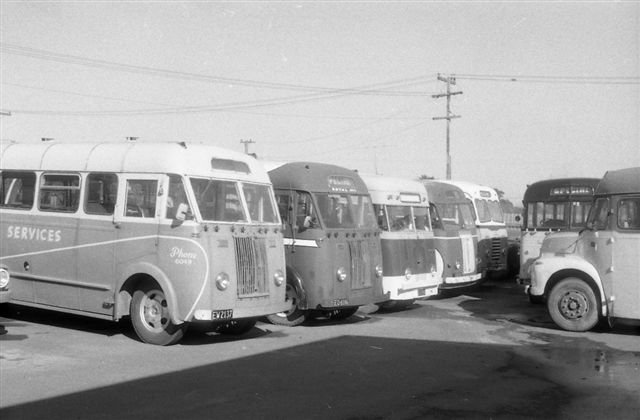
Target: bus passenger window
17,189
141,198
59,193
101,194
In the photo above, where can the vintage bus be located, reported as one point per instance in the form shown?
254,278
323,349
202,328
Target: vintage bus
455,234
599,276
492,230
554,206
408,245
165,233
332,242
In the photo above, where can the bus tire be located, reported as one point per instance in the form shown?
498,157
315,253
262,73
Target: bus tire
236,326
572,305
150,317
294,316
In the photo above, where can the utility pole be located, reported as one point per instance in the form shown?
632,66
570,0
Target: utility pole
246,145
449,80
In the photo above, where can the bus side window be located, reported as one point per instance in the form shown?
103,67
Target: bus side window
17,189
629,213
177,203
101,194
141,198
59,193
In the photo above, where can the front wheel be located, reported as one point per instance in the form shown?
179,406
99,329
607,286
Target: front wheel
151,319
294,316
572,305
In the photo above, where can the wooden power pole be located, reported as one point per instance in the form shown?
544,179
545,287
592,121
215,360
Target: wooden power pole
449,80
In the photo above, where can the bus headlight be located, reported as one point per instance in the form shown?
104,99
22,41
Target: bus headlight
4,278
458,265
222,281
278,278
407,273
341,274
378,271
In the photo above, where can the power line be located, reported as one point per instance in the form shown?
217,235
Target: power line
599,80
380,89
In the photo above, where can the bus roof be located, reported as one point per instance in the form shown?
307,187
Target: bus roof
444,193
475,191
622,181
561,189
315,177
392,190
141,157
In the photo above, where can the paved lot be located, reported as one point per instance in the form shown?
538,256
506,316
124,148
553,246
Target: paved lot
486,353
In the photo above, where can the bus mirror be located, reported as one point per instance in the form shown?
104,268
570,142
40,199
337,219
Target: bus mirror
183,212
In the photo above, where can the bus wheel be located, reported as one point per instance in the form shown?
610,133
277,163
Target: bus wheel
294,316
342,313
236,326
150,317
572,305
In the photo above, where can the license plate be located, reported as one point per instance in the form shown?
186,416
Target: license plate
223,314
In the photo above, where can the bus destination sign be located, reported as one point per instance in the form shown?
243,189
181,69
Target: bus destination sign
341,184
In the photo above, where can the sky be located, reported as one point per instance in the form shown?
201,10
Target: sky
548,89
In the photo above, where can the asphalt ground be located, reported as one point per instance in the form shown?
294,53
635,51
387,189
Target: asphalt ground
483,353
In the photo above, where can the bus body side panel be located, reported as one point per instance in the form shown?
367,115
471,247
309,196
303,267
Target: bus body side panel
417,255
626,275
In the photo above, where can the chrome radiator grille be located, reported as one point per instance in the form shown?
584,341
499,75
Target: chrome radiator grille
361,269
251,266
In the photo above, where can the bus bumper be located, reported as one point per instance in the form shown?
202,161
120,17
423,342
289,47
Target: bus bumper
461,281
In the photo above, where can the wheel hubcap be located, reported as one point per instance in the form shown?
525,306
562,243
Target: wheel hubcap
154,311
574,305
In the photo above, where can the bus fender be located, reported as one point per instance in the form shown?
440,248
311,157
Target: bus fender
573,266
294,279
134,275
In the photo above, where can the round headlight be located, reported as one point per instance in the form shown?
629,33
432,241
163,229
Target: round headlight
278,278
408,273
341,274
4,278
222,281
378,271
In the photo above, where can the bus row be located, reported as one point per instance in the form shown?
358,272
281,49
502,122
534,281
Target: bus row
580,248
174,233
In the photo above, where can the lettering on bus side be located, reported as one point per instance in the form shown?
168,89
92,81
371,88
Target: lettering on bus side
179,256
28,233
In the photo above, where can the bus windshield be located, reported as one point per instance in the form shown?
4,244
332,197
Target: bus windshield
557,214
345,211
489,211
220,201
456,214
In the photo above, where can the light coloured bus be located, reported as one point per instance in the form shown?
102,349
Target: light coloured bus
408,248
332,242
165,233
553,206
599,276
492,230
456,237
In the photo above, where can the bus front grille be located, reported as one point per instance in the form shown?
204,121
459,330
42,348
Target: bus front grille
361,269
251,266
468,254
496,252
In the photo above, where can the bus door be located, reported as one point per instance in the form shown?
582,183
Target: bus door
96,235
135,219
626,265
